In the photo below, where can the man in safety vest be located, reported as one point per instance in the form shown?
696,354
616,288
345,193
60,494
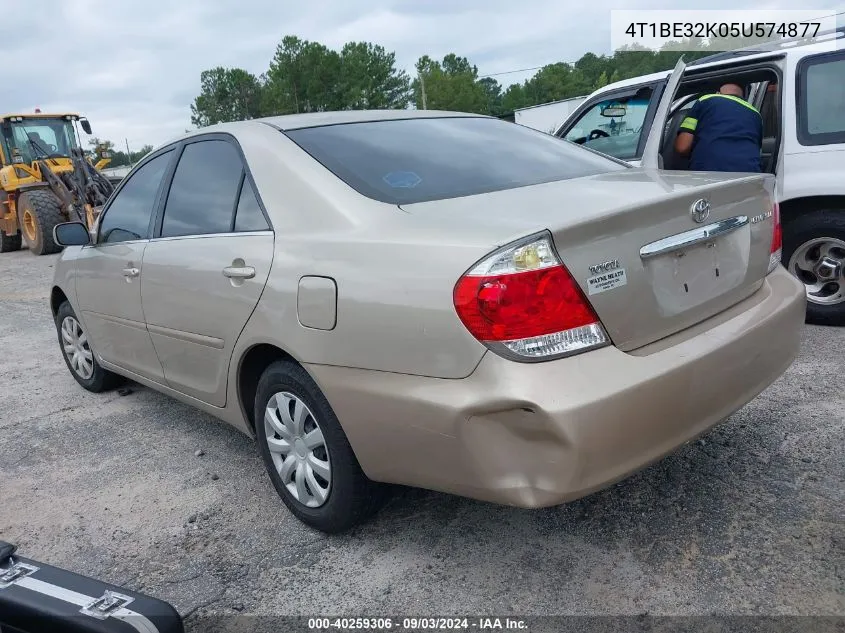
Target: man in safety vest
722,132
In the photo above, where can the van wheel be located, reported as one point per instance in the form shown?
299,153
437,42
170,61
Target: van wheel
309,460
814,251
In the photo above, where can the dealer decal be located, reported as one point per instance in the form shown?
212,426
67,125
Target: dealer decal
606,281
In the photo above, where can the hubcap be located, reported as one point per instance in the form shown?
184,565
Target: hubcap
298,449
29,226
820,264
76,348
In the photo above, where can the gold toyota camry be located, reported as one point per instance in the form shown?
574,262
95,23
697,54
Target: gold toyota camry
434,299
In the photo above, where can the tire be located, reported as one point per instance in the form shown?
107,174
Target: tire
350,497
98,379
9,243
38,212
807,234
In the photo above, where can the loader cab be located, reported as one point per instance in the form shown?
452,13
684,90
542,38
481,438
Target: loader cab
27,138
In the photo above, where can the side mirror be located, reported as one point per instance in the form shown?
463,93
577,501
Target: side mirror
71,234
86,125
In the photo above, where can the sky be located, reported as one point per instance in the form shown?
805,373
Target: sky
133,66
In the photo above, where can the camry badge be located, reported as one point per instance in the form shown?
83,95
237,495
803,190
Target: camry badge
700,210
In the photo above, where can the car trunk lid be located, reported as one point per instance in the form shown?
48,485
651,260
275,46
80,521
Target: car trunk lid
629,239
661,266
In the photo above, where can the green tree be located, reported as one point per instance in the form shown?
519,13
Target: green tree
449,85
368,79
227,94
303,77
493,90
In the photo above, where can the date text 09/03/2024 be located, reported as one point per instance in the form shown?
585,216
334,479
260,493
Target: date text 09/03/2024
417,624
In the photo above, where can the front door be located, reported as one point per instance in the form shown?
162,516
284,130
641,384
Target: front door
108,282
206,269
612,123
654,140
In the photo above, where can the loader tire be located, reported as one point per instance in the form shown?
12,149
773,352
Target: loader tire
38,212
9,243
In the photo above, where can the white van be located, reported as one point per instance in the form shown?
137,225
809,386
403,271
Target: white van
799,89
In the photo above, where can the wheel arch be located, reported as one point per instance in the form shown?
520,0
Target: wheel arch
252,364
795,207
57,298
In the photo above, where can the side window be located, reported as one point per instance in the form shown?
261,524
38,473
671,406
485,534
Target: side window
128,216
202,196
613,126
249,216
821,103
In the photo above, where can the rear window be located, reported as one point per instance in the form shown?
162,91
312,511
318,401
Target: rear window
417,160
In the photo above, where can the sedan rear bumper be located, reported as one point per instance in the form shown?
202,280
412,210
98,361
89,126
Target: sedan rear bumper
535,435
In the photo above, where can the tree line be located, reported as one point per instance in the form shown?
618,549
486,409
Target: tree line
306,76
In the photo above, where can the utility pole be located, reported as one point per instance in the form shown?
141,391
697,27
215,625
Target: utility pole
128,153
422,88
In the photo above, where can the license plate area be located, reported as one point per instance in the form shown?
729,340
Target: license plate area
689,277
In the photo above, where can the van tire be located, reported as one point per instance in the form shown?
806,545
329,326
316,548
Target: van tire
803,233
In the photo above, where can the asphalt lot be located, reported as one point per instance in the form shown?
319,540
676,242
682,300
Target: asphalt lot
749,520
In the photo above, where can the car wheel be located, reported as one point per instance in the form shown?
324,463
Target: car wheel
814,251
76,350
307,455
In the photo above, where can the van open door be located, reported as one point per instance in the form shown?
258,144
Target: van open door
651,152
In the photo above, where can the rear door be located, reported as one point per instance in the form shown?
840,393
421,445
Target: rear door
206,267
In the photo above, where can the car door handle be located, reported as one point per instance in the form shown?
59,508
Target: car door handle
239,272
131,272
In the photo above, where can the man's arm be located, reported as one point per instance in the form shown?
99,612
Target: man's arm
683,143
686,133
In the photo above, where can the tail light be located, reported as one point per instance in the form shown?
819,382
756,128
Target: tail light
522,303
777,239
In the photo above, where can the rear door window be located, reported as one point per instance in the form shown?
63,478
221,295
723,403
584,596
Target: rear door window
422,159
204,190
821,99
249,216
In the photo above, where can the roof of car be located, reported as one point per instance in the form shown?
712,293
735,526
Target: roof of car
315,119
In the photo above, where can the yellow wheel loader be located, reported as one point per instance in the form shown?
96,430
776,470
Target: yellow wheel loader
46,179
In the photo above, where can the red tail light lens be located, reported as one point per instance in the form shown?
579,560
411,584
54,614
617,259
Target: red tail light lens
777,239
522,302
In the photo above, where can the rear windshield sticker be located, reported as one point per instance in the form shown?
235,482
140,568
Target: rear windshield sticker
402,179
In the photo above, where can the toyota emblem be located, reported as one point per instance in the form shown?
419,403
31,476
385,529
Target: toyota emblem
700,210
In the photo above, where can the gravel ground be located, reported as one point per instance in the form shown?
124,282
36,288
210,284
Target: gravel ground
747,521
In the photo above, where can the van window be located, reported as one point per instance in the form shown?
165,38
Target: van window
613,126
821,103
